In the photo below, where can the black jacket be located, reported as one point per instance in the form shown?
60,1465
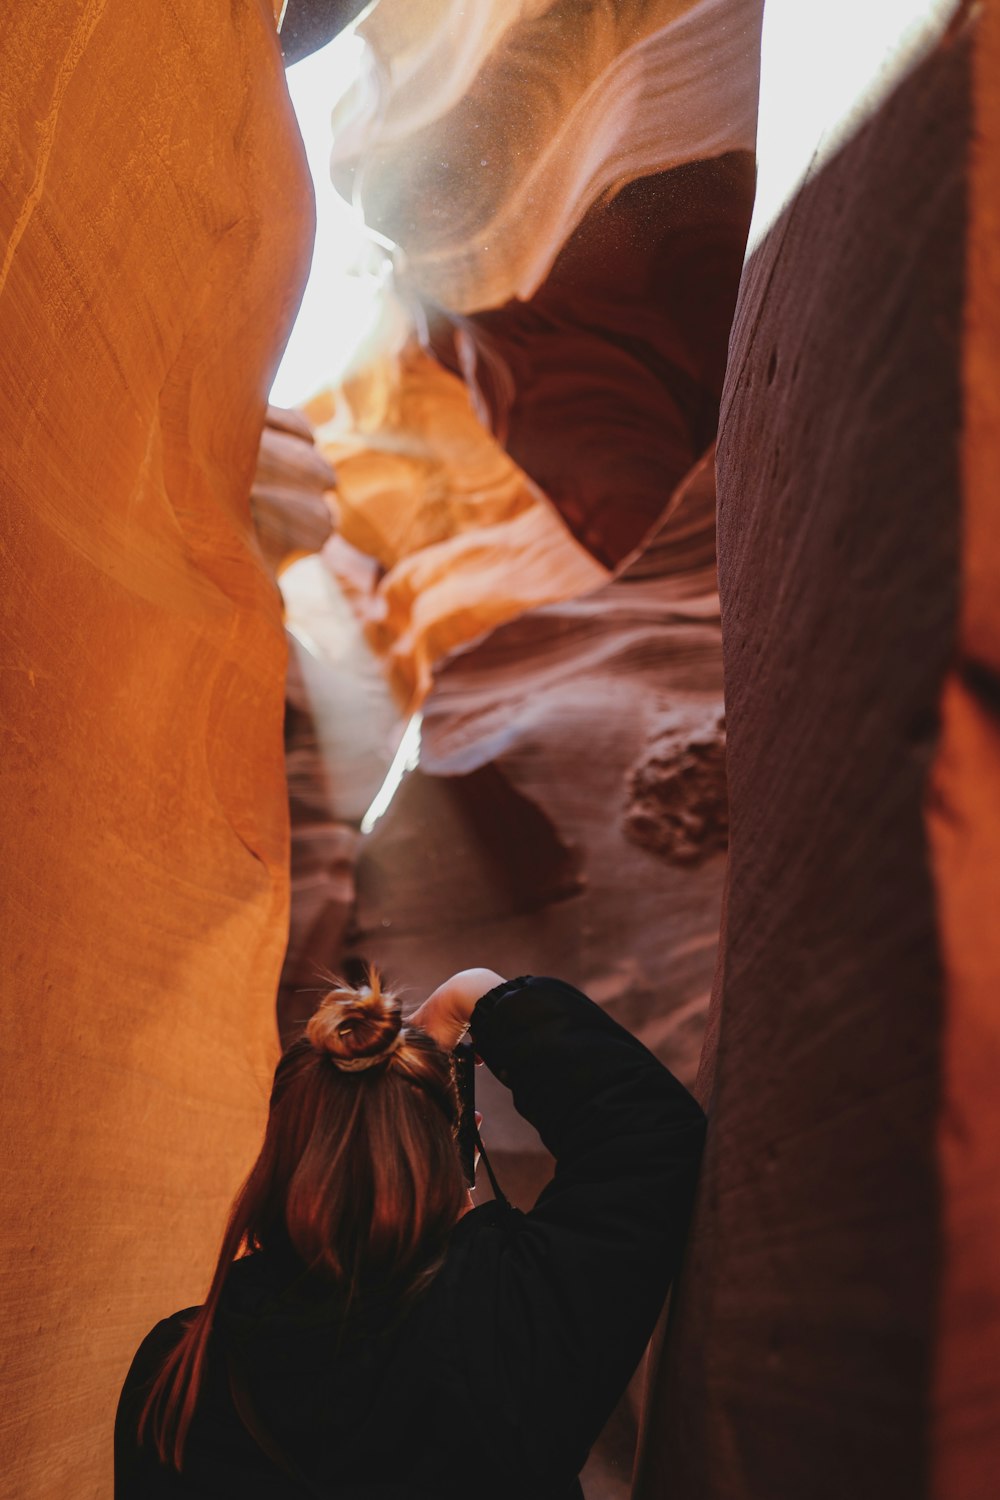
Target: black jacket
498,1380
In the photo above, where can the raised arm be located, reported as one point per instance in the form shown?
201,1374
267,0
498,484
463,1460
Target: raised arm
580,1280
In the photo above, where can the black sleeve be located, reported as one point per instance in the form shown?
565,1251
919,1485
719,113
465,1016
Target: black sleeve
581,1279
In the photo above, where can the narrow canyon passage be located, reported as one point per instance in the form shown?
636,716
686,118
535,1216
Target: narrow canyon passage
608,591
518,596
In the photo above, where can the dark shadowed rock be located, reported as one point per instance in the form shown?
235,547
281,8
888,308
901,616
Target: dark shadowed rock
605,384
803,1354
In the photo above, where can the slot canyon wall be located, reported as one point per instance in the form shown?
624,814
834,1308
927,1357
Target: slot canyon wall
156,219
836,1328
520,592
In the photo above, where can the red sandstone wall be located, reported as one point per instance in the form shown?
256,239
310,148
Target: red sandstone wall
155,216
836,1328
964,830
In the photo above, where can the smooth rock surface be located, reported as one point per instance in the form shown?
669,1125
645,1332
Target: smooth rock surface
462,538
324,849
342,729
483,138
155,228
803,1349
605,384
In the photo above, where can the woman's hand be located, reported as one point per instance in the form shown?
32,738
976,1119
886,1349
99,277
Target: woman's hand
445,1014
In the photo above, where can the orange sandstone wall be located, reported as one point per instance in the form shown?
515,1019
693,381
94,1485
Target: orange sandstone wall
155,218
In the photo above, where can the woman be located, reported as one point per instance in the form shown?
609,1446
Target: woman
382,1337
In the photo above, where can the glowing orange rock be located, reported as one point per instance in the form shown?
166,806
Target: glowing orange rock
464,540
156,218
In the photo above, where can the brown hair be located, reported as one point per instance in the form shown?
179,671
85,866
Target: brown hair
359,1170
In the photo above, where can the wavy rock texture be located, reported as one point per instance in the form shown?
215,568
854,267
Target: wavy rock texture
837,1326
493,133
413,463
339,712
569,188
462,538
514,843
156,217
553,717
605,386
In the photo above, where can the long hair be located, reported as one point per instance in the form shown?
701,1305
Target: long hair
359,1170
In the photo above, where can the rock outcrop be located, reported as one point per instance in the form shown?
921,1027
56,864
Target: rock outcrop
289,500
677,795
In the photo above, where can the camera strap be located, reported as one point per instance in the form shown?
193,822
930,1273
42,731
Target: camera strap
498,1191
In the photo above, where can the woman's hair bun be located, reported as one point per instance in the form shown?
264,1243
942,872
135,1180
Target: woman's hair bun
358,1027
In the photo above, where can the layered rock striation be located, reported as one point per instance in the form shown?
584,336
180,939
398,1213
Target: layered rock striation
568,194
604,385
460,536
